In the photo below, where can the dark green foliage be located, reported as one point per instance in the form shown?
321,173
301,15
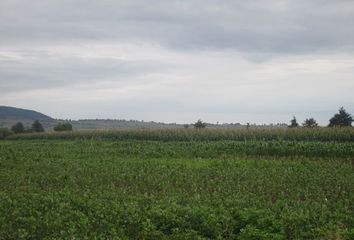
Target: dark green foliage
60,127
222,149
37,126
200,124
310,123
341,119
18,128
293,123
175,190
4,132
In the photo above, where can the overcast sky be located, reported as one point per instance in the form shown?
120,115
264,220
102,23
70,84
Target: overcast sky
259,61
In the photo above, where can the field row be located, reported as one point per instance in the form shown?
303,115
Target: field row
35,149
288,134
173,190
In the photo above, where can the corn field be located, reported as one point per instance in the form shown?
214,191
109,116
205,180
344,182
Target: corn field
178,184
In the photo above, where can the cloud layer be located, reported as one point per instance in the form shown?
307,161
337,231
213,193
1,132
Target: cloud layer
176,61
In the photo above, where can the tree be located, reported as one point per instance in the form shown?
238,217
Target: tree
18,128
63,127
293,123
310,123
4,132
200,124
37,126
341,119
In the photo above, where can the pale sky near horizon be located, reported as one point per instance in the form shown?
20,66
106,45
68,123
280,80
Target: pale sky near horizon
178,61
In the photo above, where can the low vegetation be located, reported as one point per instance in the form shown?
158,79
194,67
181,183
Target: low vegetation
191,183
61,127
37,127
4,133
103,189
18,128
287,134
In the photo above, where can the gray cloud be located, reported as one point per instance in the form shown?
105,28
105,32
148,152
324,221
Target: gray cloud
270,26
40,70
185,59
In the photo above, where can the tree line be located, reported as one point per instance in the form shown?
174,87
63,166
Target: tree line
340,119
37,127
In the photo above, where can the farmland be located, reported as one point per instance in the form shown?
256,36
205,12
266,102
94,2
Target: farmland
178,184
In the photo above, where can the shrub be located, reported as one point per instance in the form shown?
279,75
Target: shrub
4,132
37,126
63,127
18,128
310,123
200,124
293,123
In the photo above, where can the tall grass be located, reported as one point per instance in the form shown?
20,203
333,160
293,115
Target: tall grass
300,134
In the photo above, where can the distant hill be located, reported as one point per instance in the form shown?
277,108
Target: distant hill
19,113
11,115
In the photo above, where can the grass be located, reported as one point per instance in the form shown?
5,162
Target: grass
132,189
287,134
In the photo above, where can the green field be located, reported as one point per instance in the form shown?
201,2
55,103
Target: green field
258,184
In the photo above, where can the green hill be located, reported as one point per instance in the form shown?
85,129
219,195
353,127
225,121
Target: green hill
11,115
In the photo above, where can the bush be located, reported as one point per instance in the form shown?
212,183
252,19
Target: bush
18,128
293,123
310,123
63,127
4,132
200,124
37,127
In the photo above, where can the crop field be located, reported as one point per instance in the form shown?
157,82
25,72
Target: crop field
178,184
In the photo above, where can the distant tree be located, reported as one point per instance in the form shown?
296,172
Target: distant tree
293,123
4,132
200,124
310,123
37,126
186,126
63,127
341,119
18,128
